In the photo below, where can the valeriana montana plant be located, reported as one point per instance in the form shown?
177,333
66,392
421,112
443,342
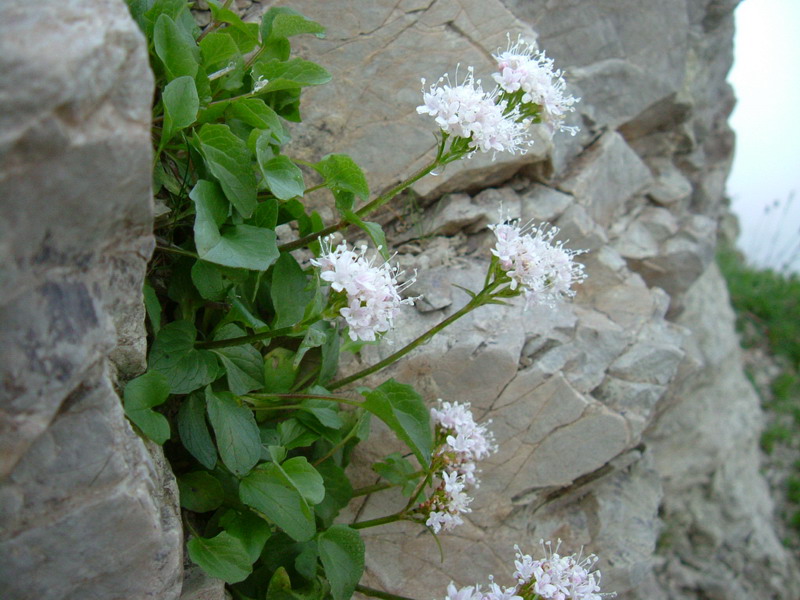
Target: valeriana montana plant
241,386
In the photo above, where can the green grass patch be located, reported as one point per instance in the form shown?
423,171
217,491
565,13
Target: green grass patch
767,306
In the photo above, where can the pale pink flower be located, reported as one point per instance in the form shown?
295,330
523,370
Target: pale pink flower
372,291
523,67
466,111
544,269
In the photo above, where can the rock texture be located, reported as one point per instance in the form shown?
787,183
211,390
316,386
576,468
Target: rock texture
623,420
624,423
86,510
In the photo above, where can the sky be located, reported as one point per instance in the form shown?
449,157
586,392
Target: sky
766,168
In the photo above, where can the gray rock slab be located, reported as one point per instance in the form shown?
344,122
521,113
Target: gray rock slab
605,177
377,57
87,511
623,56
85,487
717,511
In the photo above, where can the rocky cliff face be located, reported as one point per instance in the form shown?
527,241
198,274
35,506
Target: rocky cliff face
86,512
623,419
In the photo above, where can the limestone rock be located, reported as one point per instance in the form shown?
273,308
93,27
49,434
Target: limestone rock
542,203
605,177
199,586
87,511
578,395
718,537
624,57
682,258
378,55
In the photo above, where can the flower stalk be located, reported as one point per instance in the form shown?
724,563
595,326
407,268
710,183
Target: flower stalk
484,297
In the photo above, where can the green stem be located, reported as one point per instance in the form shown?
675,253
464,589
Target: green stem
373,593
293,396
334,448
299,385
233,99
282,407
378,487
479,300
379,521
365,210
246,339
213,24
253,58
371,489
176,250
413,499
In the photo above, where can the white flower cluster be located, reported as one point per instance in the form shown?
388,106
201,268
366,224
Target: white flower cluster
466,111
543,268
373,294
461,443
558,577
554,577
522,67
498,121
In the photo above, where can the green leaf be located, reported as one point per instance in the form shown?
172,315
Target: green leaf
245,37
323,411
373,230
291,74
266,215
330,356
338,492
270,491
177,10
229,160
194,433
218,50
281,22
294,434
305,563
341,551
398,470
242,246
289,291
222,556
214,281
174,356
287,104
249,528
246,34
244,364
277,454
305,478
153,307
314,338
288,24
241,313
200,491
279,374
403,410
176,49
342,173
284,178
280,586
141,395
256,113
213,112
236,431
181,104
